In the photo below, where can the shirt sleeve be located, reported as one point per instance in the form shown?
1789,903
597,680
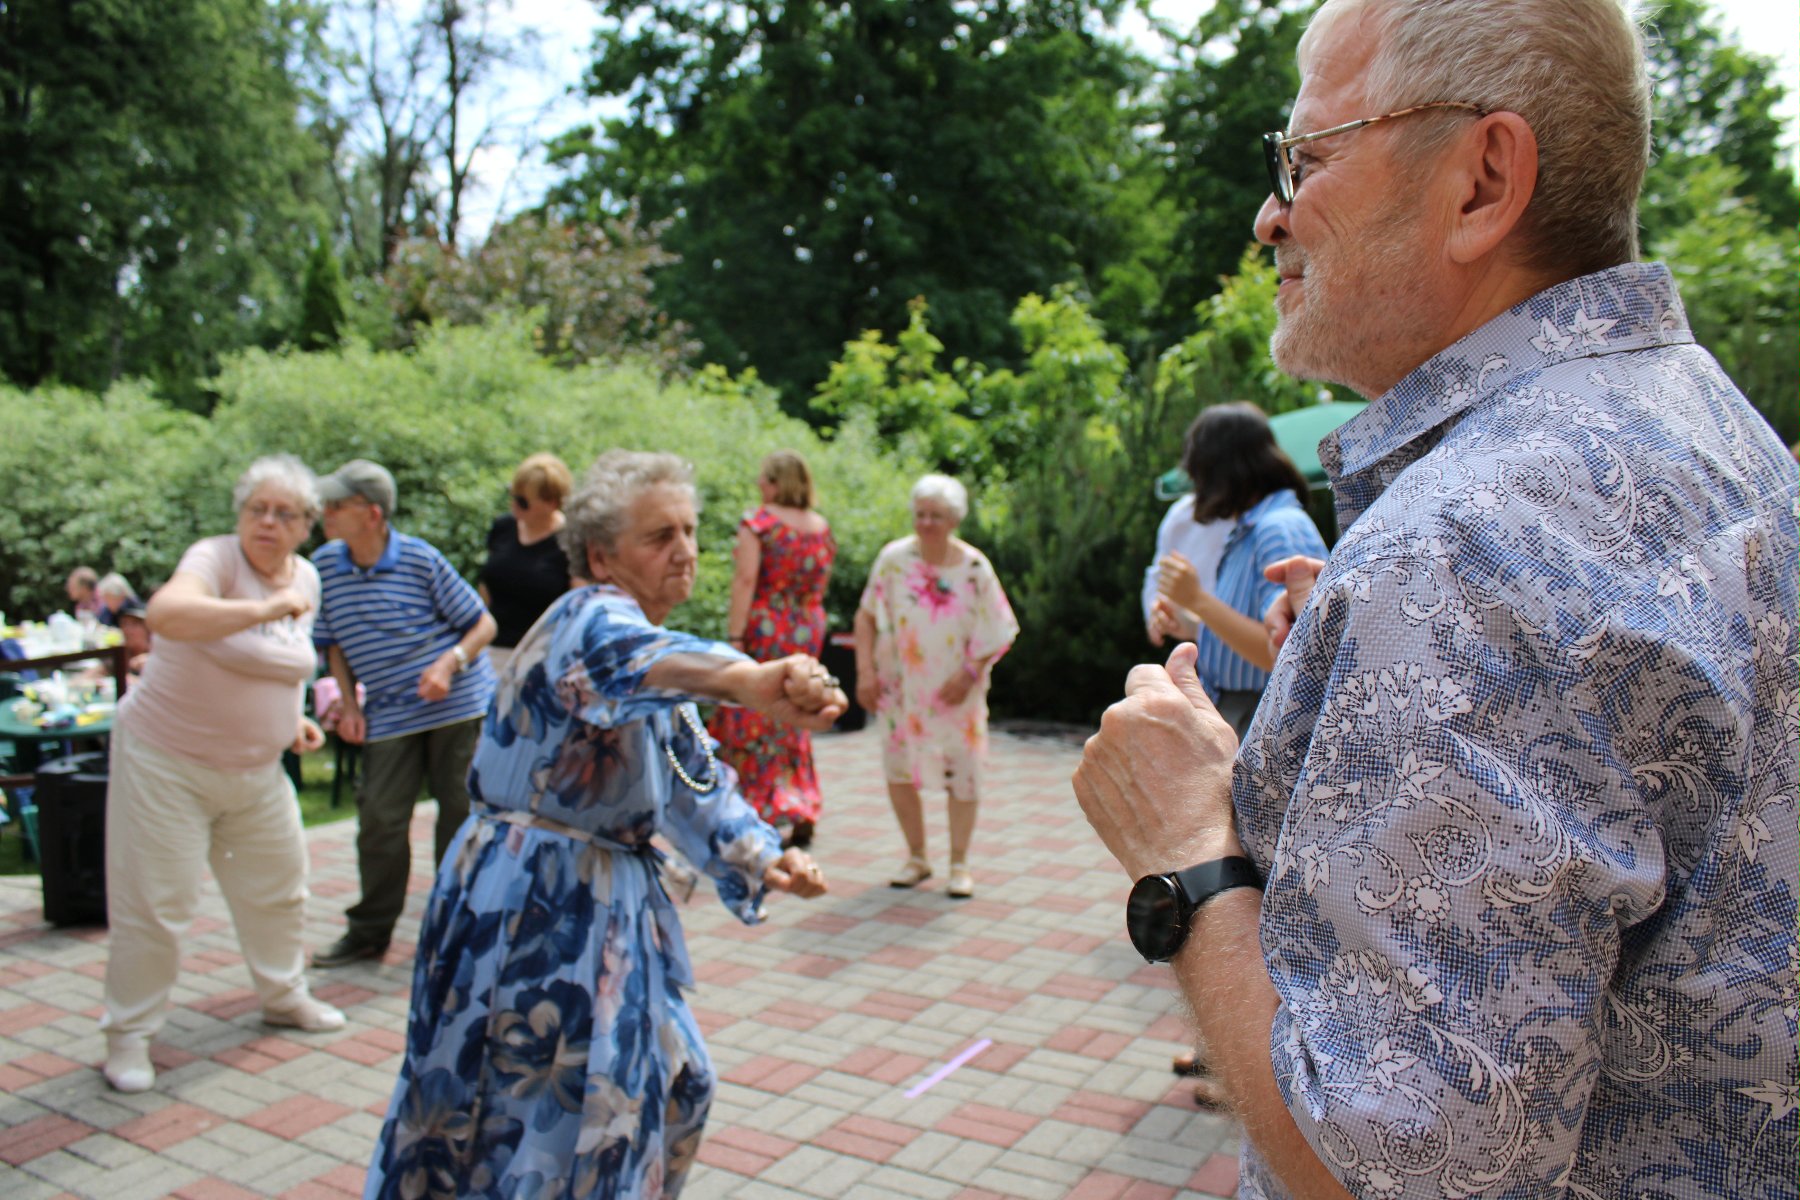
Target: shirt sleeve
457,603
1458,865
602,658
322,634
1164,535
1280,535
994,627
716,829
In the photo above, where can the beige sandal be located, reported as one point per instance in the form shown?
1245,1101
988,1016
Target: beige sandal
962,883
916,871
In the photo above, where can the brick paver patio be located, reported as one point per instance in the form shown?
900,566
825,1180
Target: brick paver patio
821,1021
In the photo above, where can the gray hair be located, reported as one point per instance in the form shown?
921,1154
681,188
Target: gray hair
285,472
1574,69
945,490
113,584
595,515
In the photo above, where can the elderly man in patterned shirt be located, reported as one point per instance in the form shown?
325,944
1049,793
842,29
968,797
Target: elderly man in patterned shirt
1518,915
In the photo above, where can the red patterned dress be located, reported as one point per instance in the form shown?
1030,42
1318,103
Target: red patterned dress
787,616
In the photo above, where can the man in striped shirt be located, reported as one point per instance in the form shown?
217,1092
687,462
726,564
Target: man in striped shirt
397,618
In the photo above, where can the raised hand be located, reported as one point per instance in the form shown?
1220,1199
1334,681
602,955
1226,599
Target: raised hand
1177,579
1155,782
1297,574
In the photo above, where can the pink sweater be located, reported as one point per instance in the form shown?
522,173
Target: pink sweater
232,703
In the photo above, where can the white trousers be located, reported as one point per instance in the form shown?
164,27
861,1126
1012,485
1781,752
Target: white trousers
168,818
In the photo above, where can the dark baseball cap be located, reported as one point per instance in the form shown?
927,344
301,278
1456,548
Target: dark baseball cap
360,477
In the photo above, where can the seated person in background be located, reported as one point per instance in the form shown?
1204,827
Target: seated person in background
113,594
80,588
132,623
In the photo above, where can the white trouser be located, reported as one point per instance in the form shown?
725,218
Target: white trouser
165,819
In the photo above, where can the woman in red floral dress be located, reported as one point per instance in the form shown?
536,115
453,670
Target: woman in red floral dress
783,561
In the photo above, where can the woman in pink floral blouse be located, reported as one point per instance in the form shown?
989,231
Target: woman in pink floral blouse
932,622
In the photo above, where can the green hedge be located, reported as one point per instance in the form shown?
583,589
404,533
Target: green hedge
121,482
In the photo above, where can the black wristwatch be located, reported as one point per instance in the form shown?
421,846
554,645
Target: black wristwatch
1162,907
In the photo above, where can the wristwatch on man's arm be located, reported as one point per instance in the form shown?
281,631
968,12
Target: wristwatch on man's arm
1161,908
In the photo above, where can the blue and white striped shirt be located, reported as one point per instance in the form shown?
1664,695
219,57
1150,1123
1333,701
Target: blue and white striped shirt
394,619
1274,528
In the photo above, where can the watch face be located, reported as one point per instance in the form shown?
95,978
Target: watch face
1154,918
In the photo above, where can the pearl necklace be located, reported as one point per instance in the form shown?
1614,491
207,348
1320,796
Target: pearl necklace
712,764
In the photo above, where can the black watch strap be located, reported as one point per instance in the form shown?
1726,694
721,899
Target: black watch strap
1203,881
1161,909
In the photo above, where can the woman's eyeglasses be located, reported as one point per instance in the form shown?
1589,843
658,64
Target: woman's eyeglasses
287,516
520,500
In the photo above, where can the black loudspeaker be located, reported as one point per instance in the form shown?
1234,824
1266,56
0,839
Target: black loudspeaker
71,804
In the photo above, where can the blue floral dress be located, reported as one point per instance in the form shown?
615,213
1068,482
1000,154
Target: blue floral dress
550,1051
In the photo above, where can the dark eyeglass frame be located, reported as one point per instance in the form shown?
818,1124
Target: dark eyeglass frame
519,500
1281,166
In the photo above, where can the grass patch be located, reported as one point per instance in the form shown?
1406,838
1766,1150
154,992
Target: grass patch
315,809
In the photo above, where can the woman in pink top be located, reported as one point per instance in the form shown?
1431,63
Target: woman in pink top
196,778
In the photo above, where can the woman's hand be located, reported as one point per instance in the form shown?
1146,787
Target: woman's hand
285,602
1177,579
795,690
797,874
868,690
956,689
1169,620
310,737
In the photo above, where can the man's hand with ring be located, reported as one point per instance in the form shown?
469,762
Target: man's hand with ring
1155,782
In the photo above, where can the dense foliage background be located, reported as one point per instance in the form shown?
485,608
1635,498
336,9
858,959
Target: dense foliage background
994,237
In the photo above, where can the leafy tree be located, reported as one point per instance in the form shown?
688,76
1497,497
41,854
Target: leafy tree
1233,80
321,299
1736,277
149,212
589,286
1714,102
823,163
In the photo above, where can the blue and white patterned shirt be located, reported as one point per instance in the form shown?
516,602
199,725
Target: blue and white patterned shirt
1523,781
394,619
1274,528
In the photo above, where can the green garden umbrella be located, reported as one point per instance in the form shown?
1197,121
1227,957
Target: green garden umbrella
1298,433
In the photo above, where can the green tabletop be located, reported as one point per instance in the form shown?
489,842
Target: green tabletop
18,728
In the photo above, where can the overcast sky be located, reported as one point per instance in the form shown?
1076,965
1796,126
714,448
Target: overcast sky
537,100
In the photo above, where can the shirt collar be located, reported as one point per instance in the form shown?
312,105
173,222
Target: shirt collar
389,560
1630,307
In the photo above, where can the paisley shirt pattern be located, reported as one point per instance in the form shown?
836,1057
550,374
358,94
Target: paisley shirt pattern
1523,781
549,1051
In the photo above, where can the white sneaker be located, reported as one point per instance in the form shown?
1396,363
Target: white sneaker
128,1066
307,1014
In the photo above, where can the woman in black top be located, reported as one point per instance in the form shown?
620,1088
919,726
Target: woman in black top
526,568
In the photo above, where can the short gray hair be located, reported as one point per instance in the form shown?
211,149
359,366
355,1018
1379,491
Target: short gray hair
945,491
1574,69
595,515
285,472
113,584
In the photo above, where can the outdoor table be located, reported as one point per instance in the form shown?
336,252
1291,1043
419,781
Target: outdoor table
17,728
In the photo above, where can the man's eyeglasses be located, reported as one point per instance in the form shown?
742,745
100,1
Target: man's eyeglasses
1281,166
287,516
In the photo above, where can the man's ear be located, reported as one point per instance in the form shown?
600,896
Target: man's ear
1496,164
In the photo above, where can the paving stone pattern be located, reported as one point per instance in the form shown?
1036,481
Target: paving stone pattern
820,1021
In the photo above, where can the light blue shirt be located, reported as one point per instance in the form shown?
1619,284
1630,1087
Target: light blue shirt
1523,782
1274,528
394,619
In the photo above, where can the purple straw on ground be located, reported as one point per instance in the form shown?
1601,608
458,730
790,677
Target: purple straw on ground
938,1076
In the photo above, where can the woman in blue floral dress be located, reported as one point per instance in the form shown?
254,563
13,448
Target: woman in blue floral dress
550,1051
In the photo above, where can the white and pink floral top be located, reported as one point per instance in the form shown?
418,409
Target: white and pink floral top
932,623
